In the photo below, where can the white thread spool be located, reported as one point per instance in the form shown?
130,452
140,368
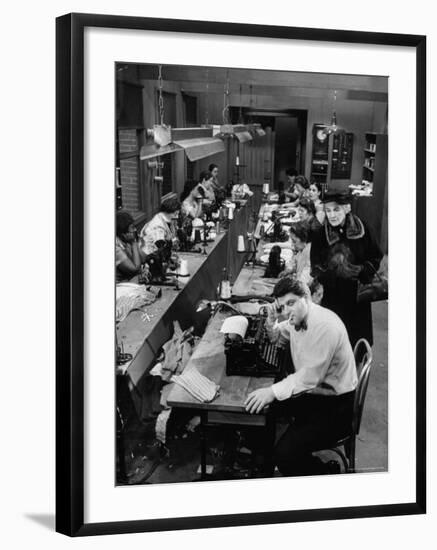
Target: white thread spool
240,246
183,268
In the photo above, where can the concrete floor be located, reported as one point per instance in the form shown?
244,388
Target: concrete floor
147,463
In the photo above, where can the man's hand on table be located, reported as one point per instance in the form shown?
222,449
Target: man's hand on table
258,399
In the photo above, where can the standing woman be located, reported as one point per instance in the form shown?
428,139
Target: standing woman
344,253
315,194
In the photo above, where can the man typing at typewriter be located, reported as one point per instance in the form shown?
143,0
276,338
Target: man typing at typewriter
317,399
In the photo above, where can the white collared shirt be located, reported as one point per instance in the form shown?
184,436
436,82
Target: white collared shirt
322,356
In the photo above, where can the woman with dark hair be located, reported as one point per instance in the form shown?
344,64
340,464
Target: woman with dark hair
343,254
219,191
128,255
307,214
160,228
315,195
276,263
192,197
205,182
300,236
298,188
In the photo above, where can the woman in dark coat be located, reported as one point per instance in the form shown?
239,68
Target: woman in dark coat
344,253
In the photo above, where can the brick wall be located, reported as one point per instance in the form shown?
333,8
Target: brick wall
129,171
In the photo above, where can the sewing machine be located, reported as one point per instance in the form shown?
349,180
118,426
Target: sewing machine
159,262
276,232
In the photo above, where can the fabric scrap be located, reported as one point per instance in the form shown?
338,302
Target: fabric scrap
199,386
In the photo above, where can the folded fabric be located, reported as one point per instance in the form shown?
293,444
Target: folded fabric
131,297
197,385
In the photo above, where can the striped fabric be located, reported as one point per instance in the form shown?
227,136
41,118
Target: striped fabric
197,385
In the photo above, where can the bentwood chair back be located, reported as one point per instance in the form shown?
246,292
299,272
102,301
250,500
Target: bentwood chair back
363,360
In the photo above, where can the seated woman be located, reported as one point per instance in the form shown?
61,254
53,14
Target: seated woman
205,182
128,255
315,194
219,191
299,189
276,263
160,227
307,214
192,198
343,254
281,193
241,191
291,174
316,290
300,236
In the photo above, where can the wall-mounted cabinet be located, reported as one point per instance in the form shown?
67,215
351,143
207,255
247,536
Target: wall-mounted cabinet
320,154
341,160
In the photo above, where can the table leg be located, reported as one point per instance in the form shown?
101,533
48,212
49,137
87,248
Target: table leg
269,444
203,421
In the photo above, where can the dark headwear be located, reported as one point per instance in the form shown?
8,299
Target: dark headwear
169,203
339,198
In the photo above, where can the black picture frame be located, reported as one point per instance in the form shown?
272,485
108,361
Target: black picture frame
70,273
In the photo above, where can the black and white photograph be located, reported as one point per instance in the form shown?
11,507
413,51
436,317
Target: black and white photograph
251,273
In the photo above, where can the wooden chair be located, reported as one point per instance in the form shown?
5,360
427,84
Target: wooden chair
363,359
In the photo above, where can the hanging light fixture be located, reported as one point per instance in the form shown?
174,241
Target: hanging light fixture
197,143
334,128
255,128
238,131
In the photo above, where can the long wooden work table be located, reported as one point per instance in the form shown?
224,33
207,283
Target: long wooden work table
143,339
143,336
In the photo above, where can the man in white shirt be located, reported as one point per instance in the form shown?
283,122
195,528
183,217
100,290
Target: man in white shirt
318,397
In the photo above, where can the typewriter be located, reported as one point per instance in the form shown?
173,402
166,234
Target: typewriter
255,355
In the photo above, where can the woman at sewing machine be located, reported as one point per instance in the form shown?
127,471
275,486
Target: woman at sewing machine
219,191
128,255
307,214
205,182
241,191
298,189
315,196
160,227
192,198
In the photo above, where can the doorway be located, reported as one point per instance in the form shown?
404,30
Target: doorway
289,127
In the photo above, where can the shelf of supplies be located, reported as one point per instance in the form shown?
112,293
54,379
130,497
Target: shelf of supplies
368,168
